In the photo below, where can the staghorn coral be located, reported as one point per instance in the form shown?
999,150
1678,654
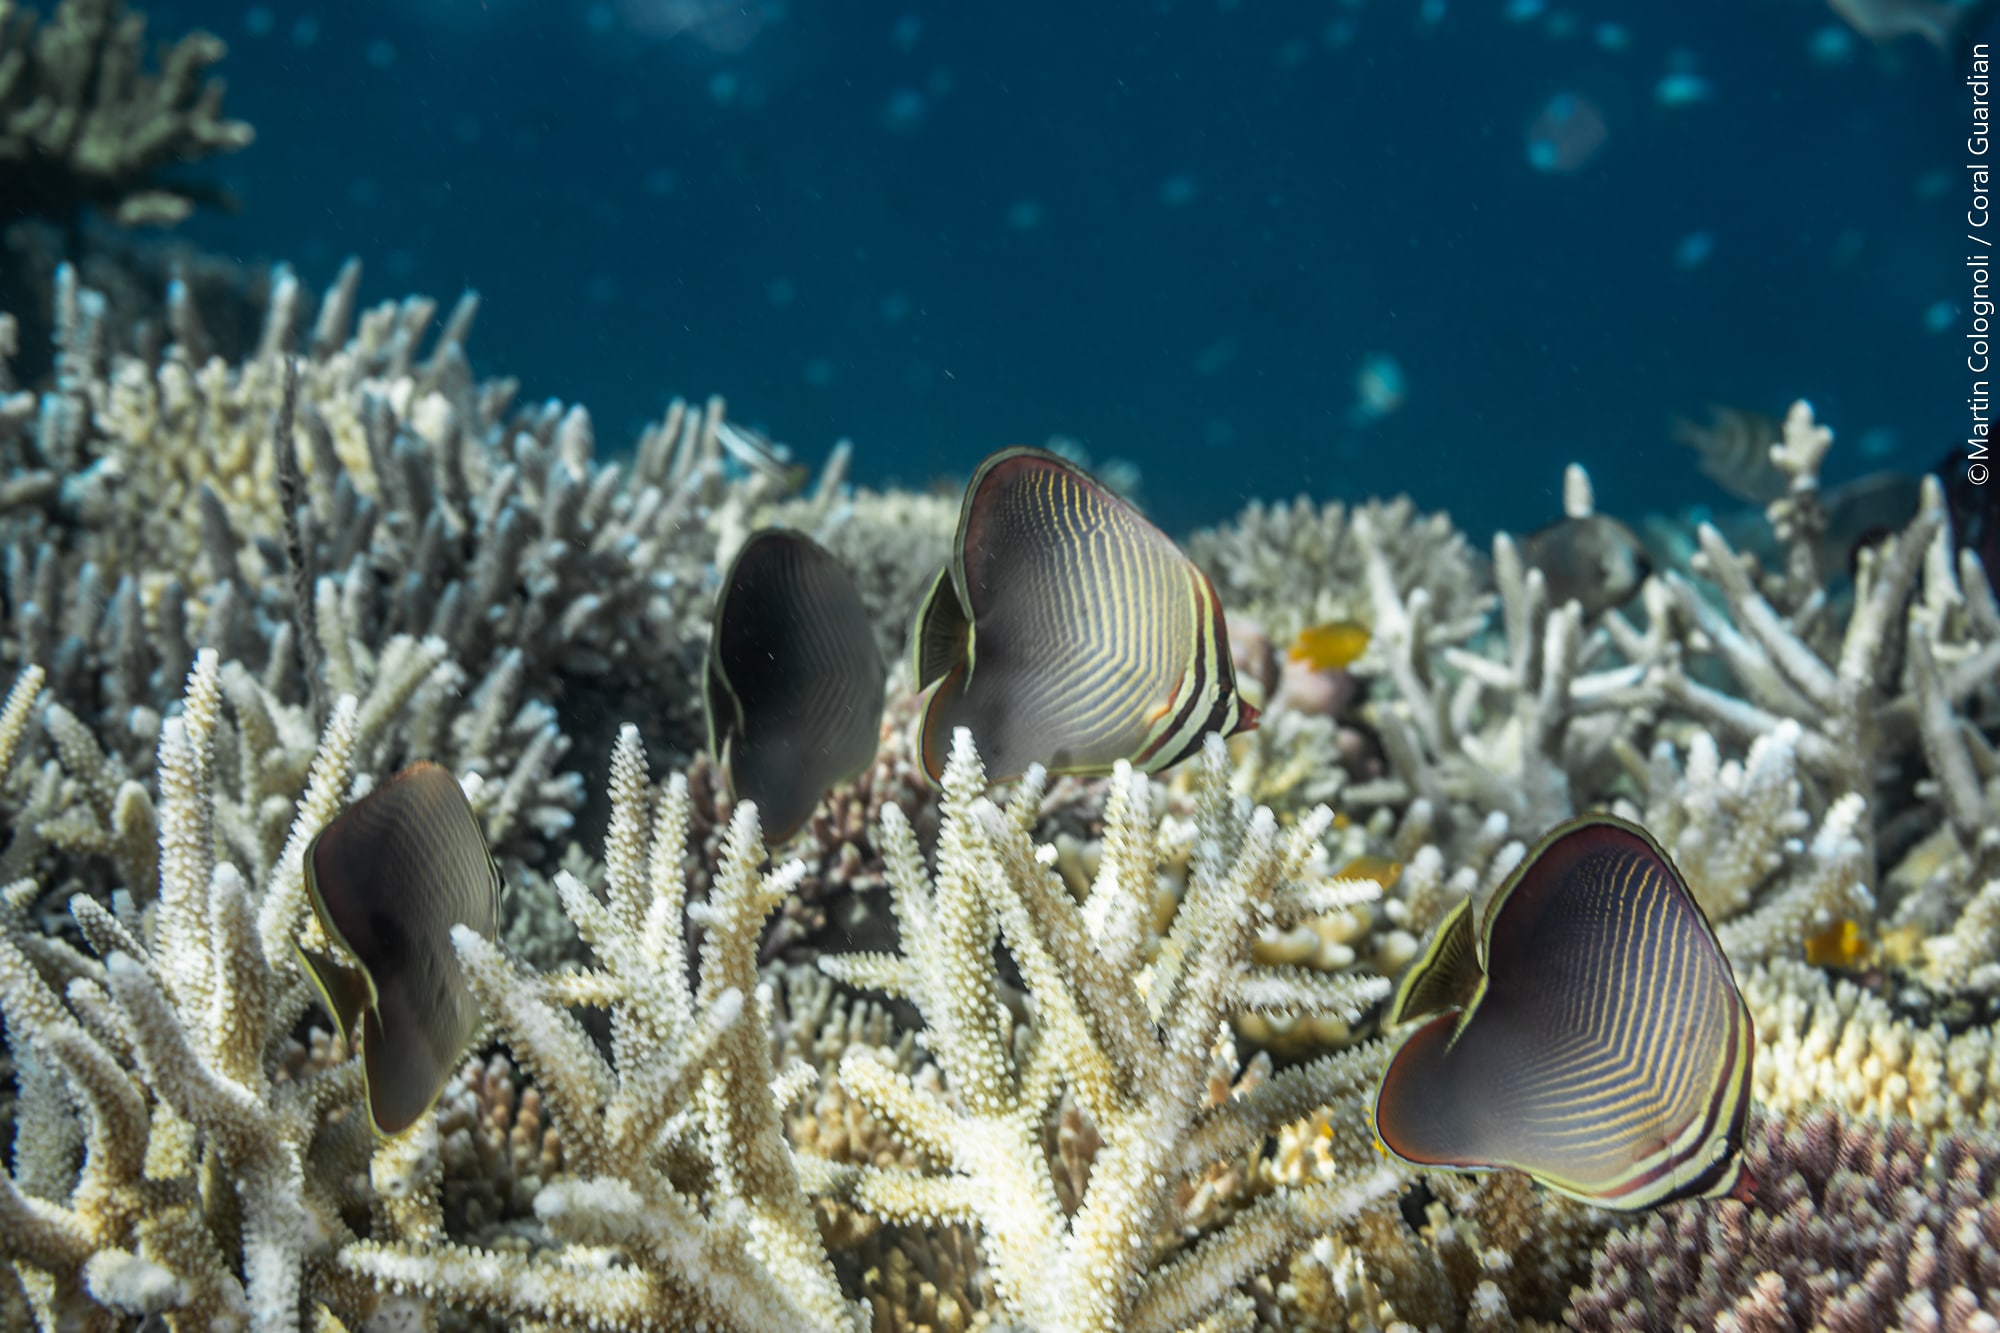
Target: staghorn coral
1849,1226
1825,1041
1290,566
1132,1050
1064,1115
83,125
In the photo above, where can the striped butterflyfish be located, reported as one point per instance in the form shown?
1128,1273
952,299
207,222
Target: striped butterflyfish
1068,631
794,686
388,879
1589,1032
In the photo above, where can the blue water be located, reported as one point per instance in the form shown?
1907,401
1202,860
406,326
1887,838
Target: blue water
1173,232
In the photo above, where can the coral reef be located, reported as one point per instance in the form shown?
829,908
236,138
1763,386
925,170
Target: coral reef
83,125
1850,1226
1082,1055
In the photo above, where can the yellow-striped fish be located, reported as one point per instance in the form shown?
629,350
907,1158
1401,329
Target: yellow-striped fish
794,684
388,880
1590,1033
1070,632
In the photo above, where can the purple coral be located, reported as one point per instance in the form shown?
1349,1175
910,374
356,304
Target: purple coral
1852,1226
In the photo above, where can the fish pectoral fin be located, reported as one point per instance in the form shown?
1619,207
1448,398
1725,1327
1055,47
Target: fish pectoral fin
344,990
943,636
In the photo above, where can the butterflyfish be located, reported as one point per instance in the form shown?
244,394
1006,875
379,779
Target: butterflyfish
1734,451
1586,1029
1068,631
1595,561
794,686
1330,647
388,879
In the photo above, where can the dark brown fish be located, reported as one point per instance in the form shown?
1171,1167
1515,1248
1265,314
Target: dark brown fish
1596,561
1070,632
1591,1034
794,685
388,879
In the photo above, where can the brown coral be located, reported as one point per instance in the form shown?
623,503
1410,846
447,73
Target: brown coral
1852,1226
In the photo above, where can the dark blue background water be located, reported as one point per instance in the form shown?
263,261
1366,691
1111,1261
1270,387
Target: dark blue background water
1171,231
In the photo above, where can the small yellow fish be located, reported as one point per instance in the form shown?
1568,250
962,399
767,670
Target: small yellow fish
1378,868
1843,944
1330,647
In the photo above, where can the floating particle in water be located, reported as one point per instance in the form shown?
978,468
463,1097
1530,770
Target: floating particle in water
895,307
1338,34
1613,36
1216,357
1379,389
1220,431
1294,53
906,31
723,85
1847,247
1933,184
601,290
381,53
364,192
259,21
1694,250
1567,134
1683,89
661,181
1559,27
1522,11
1879,443
728,27
1939,316
780,291
1024,215
599,19
1831,45
467,128
819,372
305,31
905,111
1179,191
401,263
1431,13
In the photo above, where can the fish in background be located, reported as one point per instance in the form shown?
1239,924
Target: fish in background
1594,560
1974,511
1945,26
1068,631
1379,389
388,879
1734,451
1585,1028
1566,134
794,685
